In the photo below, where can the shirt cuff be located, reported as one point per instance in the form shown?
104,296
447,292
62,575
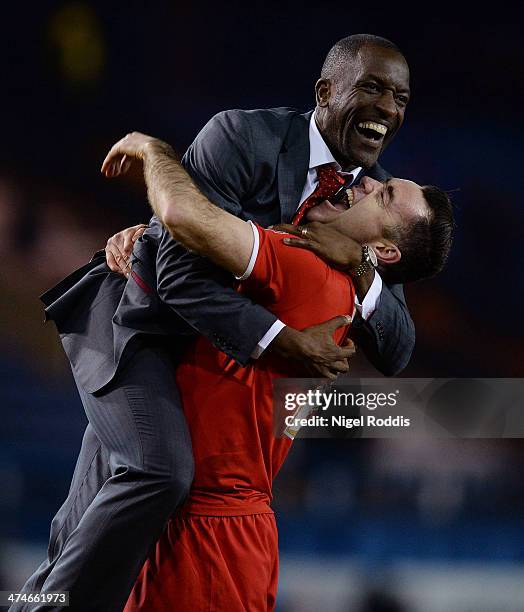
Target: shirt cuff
371,299
254,254
267,339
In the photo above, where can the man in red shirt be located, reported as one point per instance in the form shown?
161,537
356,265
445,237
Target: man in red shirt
220,552
221,549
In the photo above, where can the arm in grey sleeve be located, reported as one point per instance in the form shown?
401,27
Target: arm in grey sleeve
201,293
388,336
220,161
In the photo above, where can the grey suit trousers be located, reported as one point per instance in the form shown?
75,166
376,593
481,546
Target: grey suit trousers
134,469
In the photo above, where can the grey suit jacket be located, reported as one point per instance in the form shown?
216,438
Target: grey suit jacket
253,164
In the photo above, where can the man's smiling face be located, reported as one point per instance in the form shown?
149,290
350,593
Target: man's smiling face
375,207
361,108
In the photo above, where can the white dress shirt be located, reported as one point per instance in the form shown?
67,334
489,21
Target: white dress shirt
320,154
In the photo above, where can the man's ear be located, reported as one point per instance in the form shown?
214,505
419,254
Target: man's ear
387,252
322,92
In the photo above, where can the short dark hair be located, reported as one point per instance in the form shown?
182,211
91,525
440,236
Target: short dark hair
424,243
347,48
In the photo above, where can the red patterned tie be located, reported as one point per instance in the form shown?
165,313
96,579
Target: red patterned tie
329,182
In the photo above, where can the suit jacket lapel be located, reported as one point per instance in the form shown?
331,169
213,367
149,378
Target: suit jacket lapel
293,164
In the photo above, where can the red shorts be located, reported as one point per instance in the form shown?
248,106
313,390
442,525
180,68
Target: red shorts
211,564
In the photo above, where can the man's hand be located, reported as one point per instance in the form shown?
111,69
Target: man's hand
315,348
331,245
132,147
122,154
120,246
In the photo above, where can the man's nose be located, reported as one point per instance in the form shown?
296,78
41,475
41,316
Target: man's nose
386,104
368,183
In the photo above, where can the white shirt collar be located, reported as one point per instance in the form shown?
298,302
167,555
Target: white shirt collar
319,152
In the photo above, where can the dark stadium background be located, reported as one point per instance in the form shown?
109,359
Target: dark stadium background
364,525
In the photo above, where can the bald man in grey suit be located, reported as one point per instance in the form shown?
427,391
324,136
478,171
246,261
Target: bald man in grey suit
123,336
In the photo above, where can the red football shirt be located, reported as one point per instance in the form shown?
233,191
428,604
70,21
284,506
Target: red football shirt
229,408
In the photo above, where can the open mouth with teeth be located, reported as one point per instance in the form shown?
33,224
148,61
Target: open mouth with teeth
371,131
343,200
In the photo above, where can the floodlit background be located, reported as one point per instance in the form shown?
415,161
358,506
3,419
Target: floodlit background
364,525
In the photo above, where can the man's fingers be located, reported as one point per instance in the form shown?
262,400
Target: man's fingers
116,243
115,255
327,373
334,324
109,158
126,267
137,235
300,243
122,154
111,262
288,228
115,164
111,166
125,164
103,167
127,249
117,168
120,247
336,353
347,352
131,235
116,261
350,346
340,366
122,262
140,229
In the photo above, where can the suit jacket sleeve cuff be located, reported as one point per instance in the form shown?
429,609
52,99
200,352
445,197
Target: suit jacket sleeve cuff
266,340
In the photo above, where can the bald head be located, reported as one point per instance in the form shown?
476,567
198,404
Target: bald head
346,50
